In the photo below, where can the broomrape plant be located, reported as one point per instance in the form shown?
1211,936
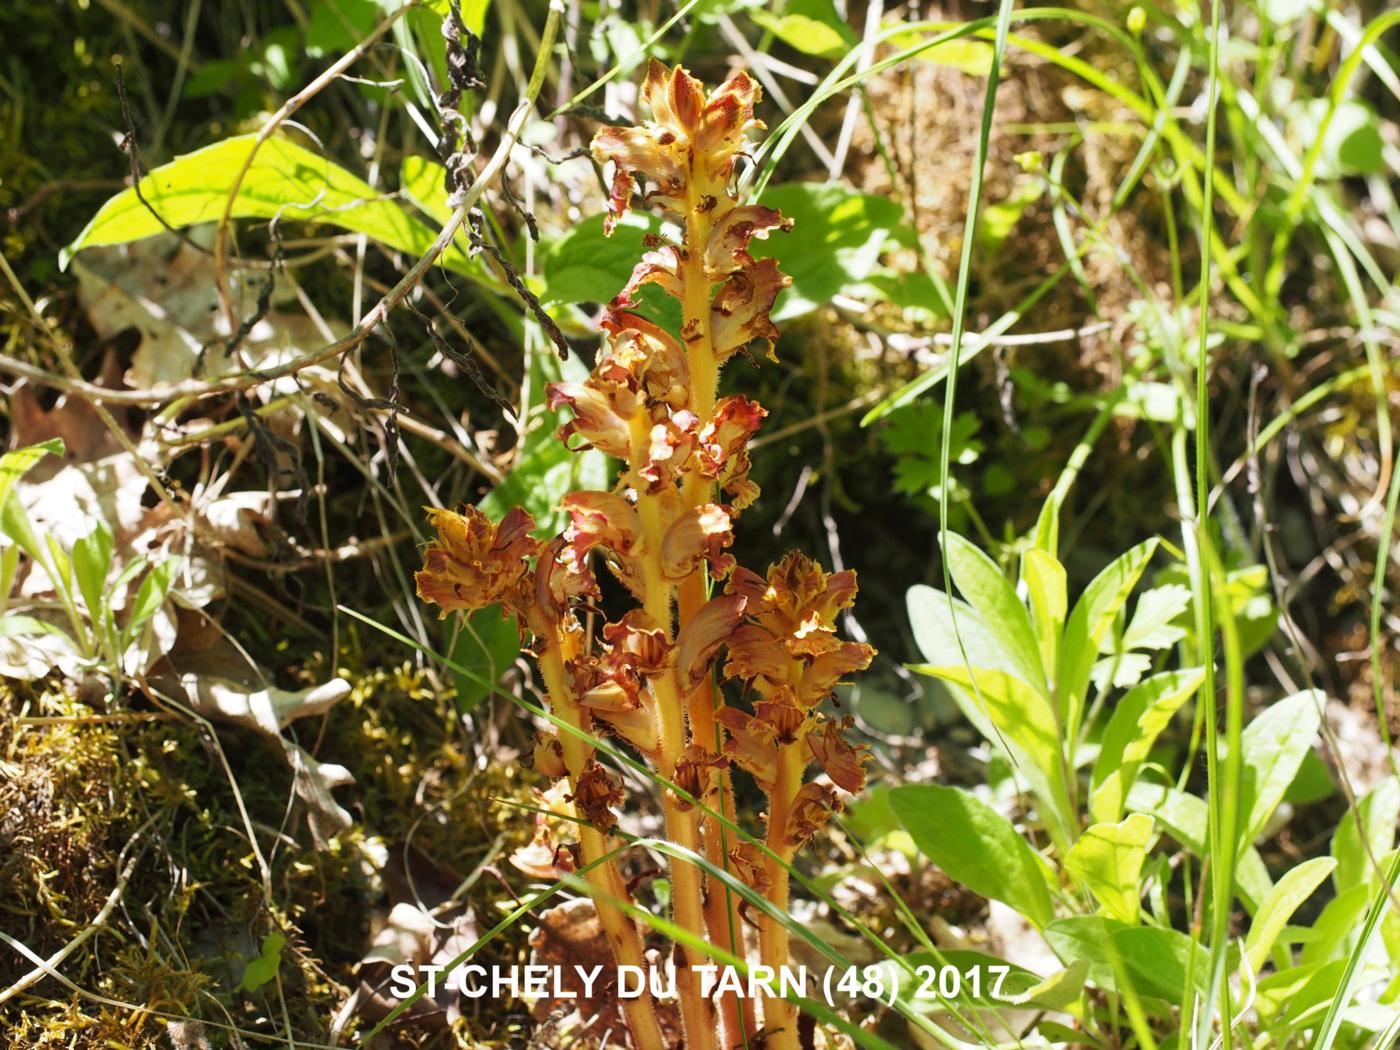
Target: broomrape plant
652,676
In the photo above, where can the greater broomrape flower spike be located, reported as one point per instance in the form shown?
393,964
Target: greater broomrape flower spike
651,677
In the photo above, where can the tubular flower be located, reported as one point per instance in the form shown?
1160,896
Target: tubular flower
810,811
474,562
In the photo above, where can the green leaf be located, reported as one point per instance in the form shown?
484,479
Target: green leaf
1338,924
424,182
1378,813
1352,144
1296,886
1056,991
975,846
836,241
1152,625
487,643
1157,961
1272,749
1045,583
973,57
1185,818
1108,858
1152,960
264,968
991,594
999,219
284,179
151,594
810,26
584,266
1141,715
1019,711
14,465
92,559
1090,624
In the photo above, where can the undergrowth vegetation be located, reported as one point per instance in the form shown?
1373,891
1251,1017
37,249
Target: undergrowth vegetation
443,442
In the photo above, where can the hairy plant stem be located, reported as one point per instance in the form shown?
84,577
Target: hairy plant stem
722,920
682,824
779,1016
603,879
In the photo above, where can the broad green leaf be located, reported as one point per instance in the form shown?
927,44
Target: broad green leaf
1186,818
975,846
424,182
836,241
1272,749
1352,144
151,594
1087,940
1045,584
488,644
284,180
60,564
1338,924
1151,626
973,57
932,624
1057,991
1090,623
92,558
1378,812
991,594
1296,886
264,968
14,465
1157,961
1141,715
1019,711
583,266
1108,858
811,26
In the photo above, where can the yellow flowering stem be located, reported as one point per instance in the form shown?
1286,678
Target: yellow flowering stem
779,1016
682,825
603,879
722,919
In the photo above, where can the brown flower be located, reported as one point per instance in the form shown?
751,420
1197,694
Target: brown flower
596,792
739,312
811,809
689,145
475,562
722,448
843,761
697,535
702,636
